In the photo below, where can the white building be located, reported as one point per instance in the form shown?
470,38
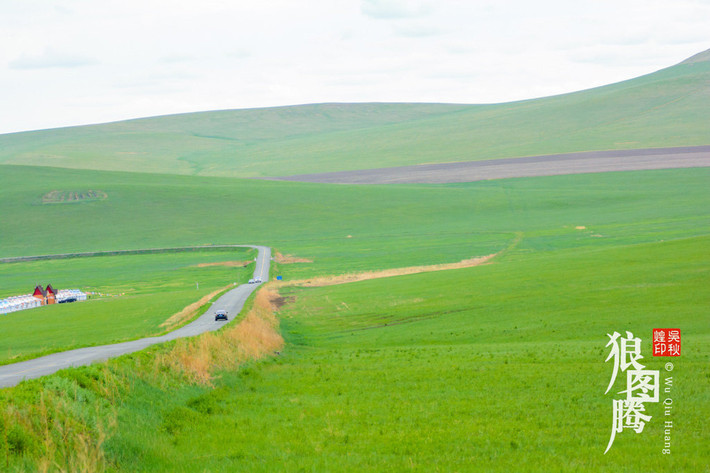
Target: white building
28,301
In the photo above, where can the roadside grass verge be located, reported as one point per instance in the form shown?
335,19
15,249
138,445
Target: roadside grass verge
141,294
61,422
191,311
254,337
491,368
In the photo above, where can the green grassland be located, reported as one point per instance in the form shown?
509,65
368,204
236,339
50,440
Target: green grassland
498,367
665,108
348,228
490,368
341,228
493,368
133,295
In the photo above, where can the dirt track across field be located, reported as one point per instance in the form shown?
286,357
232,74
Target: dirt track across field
549,165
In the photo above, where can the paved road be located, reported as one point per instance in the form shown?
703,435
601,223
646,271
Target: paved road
548,165
233,301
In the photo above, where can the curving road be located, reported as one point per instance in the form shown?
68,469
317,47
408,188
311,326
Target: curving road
233,301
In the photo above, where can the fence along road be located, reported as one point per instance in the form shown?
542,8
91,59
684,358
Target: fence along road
233,302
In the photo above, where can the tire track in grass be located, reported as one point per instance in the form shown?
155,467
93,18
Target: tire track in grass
332,280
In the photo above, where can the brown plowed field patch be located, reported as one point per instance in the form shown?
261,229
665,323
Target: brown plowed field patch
530,166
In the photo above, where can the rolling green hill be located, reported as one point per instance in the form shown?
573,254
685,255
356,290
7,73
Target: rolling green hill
666,108
493,368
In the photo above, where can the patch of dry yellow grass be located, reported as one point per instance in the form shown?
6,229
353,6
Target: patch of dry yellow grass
385,273
257,334
65,441
254,337
191,310
288,259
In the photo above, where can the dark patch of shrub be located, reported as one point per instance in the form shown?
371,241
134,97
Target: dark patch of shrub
207,403
177,419
19,441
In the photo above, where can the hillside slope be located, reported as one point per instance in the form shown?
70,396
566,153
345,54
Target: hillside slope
666,108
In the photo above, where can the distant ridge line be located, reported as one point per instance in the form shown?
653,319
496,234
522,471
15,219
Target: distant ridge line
529,166
700,57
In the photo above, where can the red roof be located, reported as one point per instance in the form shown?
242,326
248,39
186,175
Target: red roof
50,290
39,291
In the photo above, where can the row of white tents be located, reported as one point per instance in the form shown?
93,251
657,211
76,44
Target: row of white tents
70,295
28,301
15,303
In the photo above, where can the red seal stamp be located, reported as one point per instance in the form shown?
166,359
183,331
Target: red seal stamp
666,342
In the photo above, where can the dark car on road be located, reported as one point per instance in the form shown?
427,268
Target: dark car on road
220,315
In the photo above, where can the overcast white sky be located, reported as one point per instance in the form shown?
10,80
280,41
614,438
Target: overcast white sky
70,62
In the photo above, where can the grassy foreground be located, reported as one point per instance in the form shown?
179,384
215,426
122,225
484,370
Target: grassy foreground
60,422
490,368
469,370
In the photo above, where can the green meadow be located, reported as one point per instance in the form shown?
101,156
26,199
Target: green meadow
341,229
492,368
482,369
498,367
131,296
348,228
662,109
